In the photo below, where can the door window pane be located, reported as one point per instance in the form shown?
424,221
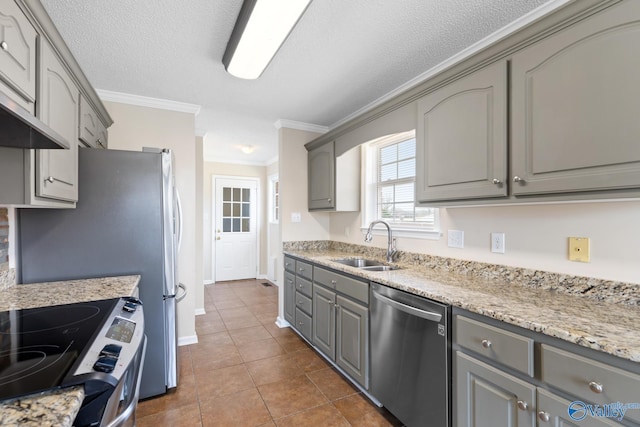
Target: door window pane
236,225
236,194
226,209
226,194
226,225
245,225
246,195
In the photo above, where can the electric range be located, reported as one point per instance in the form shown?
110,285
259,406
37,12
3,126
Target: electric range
99,344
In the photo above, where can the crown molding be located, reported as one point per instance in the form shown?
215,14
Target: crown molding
145,101
240,162
292,124
502,33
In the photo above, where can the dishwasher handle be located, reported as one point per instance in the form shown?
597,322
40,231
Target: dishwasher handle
427,315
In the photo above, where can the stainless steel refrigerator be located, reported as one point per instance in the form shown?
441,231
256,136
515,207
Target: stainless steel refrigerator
127,221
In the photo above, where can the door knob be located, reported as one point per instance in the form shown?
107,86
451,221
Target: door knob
218,238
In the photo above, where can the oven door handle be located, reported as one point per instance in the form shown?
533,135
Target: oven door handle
427,315
126,414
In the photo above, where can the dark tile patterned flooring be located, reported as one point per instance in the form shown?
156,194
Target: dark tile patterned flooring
245,371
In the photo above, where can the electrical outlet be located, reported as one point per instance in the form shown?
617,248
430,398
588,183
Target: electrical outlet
579,249
295,217
455,239
497,243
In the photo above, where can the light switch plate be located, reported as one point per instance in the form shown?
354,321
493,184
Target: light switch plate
497,243
579,249
295,217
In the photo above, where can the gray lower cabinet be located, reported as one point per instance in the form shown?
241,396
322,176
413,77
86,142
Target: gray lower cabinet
488,397
352,339
289,297
572,101
461,150
552,412
324,320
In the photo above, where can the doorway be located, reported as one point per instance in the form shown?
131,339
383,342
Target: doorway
235,228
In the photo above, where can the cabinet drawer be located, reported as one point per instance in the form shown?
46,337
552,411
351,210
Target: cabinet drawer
581,377
289,278
290,264
343,284
304,269
303,323
303,303
304,286
512,350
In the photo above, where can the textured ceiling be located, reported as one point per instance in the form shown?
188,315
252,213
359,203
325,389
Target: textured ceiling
341,56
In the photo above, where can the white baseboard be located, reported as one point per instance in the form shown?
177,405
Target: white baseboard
193,339
200,311
209,282
281,323
262,277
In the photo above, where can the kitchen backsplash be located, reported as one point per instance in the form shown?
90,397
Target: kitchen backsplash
7,275
596,289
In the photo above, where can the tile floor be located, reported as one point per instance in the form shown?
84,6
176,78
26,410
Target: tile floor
245,371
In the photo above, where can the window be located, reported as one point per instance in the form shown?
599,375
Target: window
274,199
390,189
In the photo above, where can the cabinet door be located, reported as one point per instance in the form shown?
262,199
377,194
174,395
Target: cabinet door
488,397
17,54
322,177
461,150
57,170
289,297
553,412
324,320
91,129
352,340
574,107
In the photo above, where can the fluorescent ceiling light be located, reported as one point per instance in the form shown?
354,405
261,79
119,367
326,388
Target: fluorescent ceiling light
261,28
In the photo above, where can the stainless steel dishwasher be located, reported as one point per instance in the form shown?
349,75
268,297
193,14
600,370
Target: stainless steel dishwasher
410,356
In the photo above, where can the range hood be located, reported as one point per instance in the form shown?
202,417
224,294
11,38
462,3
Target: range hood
20,129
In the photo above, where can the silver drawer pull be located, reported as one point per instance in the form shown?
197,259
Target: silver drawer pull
4,45
289,280
301,269
300,302
486,343
300,323
596,387
496,181
522,405
333,282
544,416
300,285
517,179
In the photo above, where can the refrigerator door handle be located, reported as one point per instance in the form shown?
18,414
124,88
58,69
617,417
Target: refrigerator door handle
180,297
179,218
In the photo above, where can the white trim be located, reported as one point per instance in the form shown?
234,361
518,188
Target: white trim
209,282
145,101
201,133
188,340
272,160
281,323
495,37
240,162
200,311
292,124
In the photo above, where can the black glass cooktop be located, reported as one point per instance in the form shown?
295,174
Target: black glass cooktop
38,346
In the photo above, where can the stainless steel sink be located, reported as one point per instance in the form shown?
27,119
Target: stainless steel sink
365,264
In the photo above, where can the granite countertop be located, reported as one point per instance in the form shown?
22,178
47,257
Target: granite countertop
598,321
60,407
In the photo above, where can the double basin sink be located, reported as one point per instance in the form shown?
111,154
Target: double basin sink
365,264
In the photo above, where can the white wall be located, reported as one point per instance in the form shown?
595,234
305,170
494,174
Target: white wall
536,236
211,169
136,127
293,197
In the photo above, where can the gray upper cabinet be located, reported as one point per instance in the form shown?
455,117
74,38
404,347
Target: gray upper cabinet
334,181
322,177
92,132
57,170
575,98
17,55
461,150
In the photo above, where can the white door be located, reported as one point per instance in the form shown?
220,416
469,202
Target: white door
235,234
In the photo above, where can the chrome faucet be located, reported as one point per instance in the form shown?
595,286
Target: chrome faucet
391,244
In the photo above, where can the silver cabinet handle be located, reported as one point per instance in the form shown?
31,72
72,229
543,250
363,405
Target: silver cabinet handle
4,45
544,416
486,343
99,141
289,280
333,282
596,387
517,179
329,200
427,315
301,269
496,181
522,405
300,285
50,179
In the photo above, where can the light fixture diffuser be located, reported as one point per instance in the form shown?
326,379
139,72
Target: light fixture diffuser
261,28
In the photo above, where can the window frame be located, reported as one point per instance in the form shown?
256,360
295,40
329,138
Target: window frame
274,204
370,193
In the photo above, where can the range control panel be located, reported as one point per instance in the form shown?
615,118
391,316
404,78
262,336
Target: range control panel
118,341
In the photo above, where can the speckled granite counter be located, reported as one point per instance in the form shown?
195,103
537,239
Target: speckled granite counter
597,314
57,408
